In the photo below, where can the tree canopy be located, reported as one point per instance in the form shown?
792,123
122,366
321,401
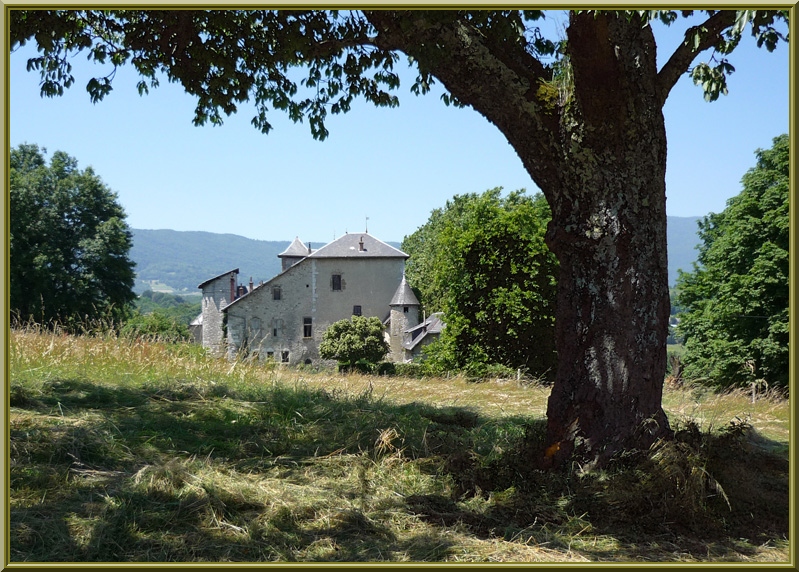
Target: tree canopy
157,325
735,317
584,113
69,242
228,57
482,260
358,339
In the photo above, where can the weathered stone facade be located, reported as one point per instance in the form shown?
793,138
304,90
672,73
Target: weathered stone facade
218,292
284,318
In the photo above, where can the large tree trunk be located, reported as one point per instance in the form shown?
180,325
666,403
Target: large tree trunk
596,146
609,234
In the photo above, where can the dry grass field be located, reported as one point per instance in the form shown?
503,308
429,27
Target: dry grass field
137,451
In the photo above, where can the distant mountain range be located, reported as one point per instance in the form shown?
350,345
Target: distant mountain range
178,261
682,238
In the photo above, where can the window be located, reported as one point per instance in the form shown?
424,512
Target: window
356,311
336,282
277,325
306,327
284,356
275,292
405,309
270,355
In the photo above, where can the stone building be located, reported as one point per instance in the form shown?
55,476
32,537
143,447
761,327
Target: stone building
284,318
417,337
218,293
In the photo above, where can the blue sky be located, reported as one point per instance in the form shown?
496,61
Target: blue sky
393,166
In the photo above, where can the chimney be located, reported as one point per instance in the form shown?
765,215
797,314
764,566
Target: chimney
360,245
309,248
251,284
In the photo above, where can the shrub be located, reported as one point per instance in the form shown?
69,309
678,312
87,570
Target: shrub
355,343
156,326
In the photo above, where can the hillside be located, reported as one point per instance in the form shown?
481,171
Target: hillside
682,240
180,260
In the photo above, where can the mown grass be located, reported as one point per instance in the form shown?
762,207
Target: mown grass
136,451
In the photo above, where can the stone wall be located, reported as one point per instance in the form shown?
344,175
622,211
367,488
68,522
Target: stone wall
216,295
259,323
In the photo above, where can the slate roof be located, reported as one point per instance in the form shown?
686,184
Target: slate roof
236,271
432,325
348,246
404,296
296,248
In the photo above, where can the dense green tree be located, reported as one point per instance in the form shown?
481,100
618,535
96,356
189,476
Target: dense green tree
584,114
170,305
483,261
357,340
157,325
735,318
69,242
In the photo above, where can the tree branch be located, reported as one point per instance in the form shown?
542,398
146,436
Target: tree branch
709,33
476,73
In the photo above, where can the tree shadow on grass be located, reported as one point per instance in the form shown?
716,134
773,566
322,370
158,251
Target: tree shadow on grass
714,496
81,452
77,496
130,526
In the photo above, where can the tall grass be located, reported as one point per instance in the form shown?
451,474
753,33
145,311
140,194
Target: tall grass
138,450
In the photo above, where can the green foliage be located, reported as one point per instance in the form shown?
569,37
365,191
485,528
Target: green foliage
69,242
203,50
156,326
482,260
735,321
333,53
410,369
357,340
170,305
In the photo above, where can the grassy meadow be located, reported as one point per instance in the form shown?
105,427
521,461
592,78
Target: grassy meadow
136,451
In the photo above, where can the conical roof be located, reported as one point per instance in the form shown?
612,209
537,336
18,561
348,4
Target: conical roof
404,296
296,248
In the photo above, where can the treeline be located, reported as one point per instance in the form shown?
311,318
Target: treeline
182,309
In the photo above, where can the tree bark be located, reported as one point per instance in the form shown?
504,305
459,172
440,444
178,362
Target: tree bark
609,233
599,156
